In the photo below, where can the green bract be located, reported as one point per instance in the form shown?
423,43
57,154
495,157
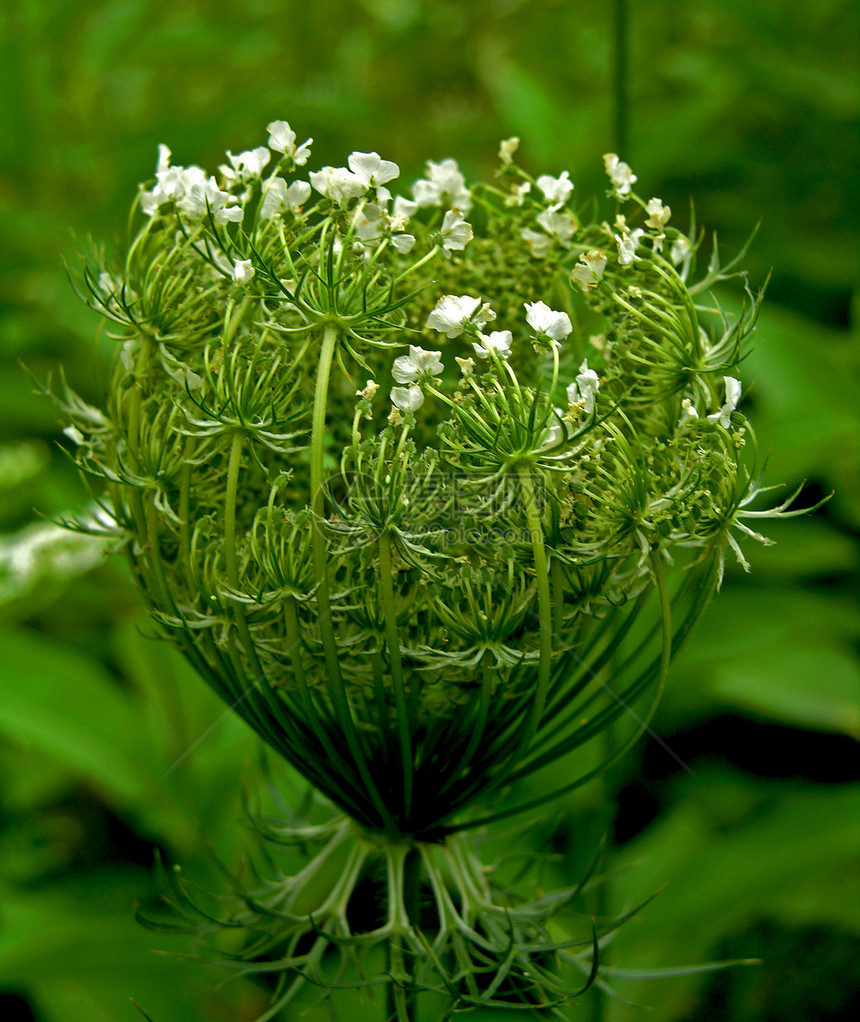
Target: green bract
419,602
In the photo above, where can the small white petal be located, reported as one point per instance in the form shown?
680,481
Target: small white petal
407,399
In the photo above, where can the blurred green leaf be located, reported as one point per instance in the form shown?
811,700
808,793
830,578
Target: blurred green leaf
784,655
785,849
66,705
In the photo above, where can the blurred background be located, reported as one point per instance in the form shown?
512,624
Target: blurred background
749,106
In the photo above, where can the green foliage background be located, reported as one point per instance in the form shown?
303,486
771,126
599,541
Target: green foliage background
752,107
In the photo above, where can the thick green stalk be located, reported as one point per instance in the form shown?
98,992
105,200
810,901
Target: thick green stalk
231,563
334,680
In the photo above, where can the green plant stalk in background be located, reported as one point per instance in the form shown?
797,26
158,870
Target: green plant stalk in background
418,601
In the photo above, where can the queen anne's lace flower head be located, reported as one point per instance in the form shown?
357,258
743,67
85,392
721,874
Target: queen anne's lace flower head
420,595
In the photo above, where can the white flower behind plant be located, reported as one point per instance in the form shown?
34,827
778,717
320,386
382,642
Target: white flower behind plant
499,341
243,272
583,391
733,396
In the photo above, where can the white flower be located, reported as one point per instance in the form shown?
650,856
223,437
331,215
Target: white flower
369,391
556,190
555,432
585,388
540,244
407,399
733,395
589,271
337,183
498,341
545,321
371,170
620,174
243,272
507,148
658,214
688,412
558,225
456,233
443,186
207,198
467,365
453,313
246,165
403,242
279,196
680,249
417,365
403,209
369,222
627,245
186,187
282,139
519,194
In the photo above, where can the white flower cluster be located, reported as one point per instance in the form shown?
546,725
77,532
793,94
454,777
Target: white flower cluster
455,315
193,194
444,186
363,181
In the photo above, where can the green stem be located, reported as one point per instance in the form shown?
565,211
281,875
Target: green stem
389,608
544,605
334,679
